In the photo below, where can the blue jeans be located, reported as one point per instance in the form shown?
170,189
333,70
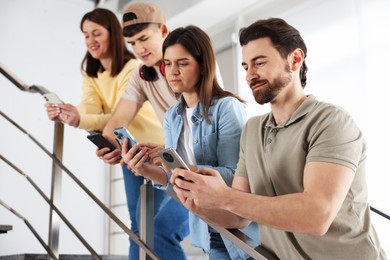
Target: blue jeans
218,249
170,220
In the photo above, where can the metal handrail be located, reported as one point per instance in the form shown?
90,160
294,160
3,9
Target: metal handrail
133,236
47,248
66,221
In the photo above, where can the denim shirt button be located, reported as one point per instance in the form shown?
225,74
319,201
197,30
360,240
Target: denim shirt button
196,141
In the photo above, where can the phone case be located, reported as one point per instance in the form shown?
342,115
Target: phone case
100,141
52,98
172,159
122,133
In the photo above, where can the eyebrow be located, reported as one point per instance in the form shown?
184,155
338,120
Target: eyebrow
181,59
255,58
142,37
94,30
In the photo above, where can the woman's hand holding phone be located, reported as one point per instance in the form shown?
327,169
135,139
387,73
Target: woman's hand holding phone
135,157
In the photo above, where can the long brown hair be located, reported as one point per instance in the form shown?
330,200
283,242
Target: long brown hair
119,53
199,45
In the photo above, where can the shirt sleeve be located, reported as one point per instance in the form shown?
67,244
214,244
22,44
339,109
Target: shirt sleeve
92,116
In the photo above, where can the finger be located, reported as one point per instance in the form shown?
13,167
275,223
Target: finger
150,145
207,171
125,146
184,174
143,158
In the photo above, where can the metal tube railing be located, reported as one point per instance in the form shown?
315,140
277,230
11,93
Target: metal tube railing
47,248
71,227
133,236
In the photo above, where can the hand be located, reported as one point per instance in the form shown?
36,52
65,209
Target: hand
135,157
204,189
69,115
154,158
112,157
53,111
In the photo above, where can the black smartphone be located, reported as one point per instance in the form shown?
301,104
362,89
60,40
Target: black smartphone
100,141
172,159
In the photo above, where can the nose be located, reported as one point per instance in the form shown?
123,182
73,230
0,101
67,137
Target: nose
89,40
251,74
138,48
174,69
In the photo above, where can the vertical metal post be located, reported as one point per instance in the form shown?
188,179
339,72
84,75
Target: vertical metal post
55,195
146,218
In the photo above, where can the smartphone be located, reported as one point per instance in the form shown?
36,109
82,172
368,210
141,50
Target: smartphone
172,159
100,141
122,133
52,98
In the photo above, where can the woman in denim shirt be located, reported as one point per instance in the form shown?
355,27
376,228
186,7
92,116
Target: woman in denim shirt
204,127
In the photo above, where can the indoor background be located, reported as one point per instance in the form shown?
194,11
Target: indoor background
41,43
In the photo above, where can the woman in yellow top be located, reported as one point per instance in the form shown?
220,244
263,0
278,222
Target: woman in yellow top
106,67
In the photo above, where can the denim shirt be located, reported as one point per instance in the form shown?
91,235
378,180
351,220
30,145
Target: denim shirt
216,145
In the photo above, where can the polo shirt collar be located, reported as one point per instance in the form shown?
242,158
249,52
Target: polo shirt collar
302,110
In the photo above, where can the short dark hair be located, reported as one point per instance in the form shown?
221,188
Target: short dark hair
284,38
119,53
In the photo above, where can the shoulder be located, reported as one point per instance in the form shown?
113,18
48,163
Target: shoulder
330,113
132,64
128,69
226,102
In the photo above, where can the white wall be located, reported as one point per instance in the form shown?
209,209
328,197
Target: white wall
42,44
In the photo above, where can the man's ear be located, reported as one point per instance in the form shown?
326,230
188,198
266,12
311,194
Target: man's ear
297,58
164,30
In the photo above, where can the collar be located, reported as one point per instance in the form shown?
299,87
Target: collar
302,110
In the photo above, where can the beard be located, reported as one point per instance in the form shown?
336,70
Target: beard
269,91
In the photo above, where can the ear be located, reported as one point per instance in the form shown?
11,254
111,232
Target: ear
296,59
164,30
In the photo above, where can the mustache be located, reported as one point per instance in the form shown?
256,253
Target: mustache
257,81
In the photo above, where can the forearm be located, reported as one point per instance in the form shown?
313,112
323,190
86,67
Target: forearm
298,212
156,174
222,218
111,125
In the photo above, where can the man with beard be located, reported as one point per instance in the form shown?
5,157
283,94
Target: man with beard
301,170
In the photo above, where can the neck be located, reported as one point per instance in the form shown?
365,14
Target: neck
106,63
286,104
190,98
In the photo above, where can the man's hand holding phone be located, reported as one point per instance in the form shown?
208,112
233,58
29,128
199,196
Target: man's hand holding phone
109,155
